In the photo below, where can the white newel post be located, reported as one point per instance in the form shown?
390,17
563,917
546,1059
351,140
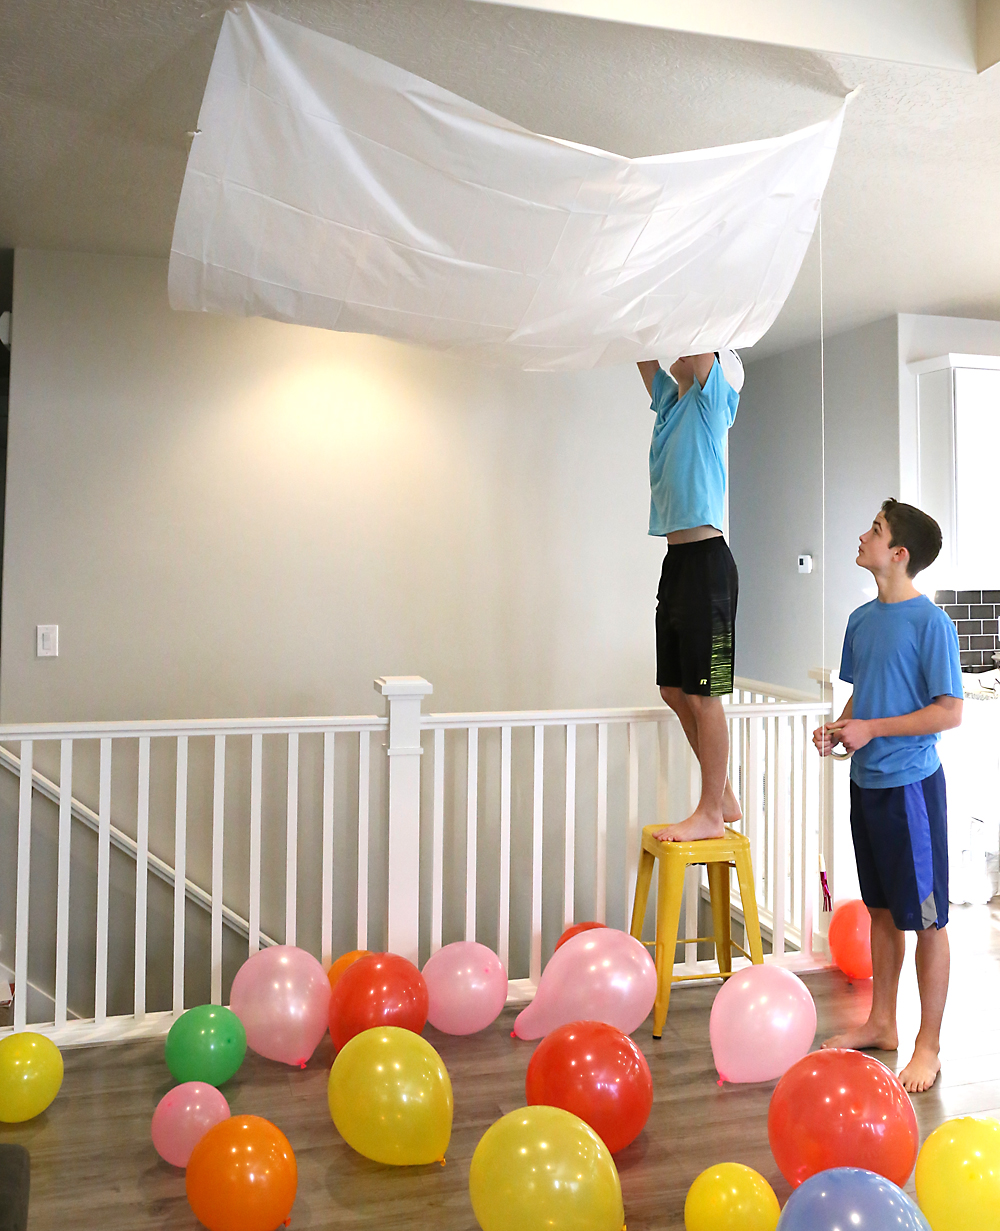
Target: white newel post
404,694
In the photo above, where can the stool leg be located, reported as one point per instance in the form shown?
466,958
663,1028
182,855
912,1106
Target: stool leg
718,887
643,878
669,892
744,873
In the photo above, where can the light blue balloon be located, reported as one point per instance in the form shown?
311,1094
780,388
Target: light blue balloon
849,1199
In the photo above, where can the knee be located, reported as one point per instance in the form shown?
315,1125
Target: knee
674,697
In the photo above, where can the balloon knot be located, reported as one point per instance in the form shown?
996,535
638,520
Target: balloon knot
721,1081
513,1034
302,1065
442,1161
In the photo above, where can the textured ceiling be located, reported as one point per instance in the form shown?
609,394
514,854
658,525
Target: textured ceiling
96,97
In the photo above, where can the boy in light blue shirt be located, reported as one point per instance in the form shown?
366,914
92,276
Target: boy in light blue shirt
901,654
695,406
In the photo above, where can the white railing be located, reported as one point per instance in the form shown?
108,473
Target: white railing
500,827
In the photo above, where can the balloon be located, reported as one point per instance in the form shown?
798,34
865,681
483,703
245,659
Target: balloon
342,963
731,1197
466,987
575,929
838,1108
282,996
31,1072
242,1176
380,990
763,1020
597,1073
540,1168
958,1174
183,1116
850,939
601,975
390,1097
850,1199
207,1043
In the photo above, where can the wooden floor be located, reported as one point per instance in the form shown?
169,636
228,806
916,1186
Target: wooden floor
93,1164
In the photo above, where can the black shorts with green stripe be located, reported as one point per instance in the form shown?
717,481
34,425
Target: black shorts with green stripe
696,618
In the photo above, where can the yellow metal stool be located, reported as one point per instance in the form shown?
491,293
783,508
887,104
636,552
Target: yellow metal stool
719,854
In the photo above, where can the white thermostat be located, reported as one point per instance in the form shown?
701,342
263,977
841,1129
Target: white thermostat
805,564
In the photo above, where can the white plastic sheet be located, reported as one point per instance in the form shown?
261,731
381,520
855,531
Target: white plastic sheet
330,188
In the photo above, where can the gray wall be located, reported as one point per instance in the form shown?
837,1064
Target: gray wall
775,494
230,517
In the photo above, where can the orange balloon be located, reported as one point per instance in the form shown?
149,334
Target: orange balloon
342,963
242,1176
850,939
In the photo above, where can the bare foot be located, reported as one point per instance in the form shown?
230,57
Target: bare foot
731,810
696,828
922,1071
870,1035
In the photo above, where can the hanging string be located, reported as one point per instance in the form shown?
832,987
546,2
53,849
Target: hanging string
824,884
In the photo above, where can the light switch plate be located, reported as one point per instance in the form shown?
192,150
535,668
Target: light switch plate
47,640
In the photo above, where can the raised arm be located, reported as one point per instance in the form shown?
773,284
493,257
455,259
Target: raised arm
647,370
702,365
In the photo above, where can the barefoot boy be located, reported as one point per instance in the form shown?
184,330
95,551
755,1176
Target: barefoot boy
696,601
901,654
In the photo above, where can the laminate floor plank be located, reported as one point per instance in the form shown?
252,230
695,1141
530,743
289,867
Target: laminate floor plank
93,1163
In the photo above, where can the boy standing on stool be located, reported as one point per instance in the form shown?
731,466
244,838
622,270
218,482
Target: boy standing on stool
901,654
696,600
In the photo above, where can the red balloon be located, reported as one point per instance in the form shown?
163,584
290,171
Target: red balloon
380,990
838,1108
597,1073
850,939
575,928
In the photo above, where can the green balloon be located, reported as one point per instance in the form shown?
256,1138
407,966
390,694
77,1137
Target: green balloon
207,1044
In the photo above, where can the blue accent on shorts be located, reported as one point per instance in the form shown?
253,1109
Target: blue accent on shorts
901,845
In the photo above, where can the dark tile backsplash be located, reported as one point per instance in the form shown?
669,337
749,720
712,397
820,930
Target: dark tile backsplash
976,614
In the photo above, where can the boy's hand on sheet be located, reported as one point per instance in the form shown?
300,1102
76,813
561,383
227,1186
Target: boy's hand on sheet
853,733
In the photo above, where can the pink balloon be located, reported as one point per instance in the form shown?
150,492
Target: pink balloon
601,975
282,997
466,986
763,1021
183,1116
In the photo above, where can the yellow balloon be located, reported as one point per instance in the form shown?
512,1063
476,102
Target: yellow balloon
958,1174
31,1072
542,1167
731,1197
390,1097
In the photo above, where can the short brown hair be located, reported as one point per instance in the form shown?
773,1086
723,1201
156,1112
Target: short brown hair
915,530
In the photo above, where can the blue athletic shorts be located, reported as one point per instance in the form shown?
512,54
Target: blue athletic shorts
901,845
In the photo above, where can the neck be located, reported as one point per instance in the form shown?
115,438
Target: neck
895,587
683,385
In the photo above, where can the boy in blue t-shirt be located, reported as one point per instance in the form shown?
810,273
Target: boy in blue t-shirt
695,407
901,655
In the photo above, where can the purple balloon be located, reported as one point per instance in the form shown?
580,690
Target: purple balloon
850,1199
466,987
763,1020
601,975
282,997
183,1116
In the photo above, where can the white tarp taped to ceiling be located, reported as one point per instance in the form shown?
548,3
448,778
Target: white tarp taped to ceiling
329,188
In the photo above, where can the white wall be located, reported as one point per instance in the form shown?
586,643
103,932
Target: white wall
233,517
926,337
775,505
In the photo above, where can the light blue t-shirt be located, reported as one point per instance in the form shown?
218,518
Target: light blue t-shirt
899,657
687,470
